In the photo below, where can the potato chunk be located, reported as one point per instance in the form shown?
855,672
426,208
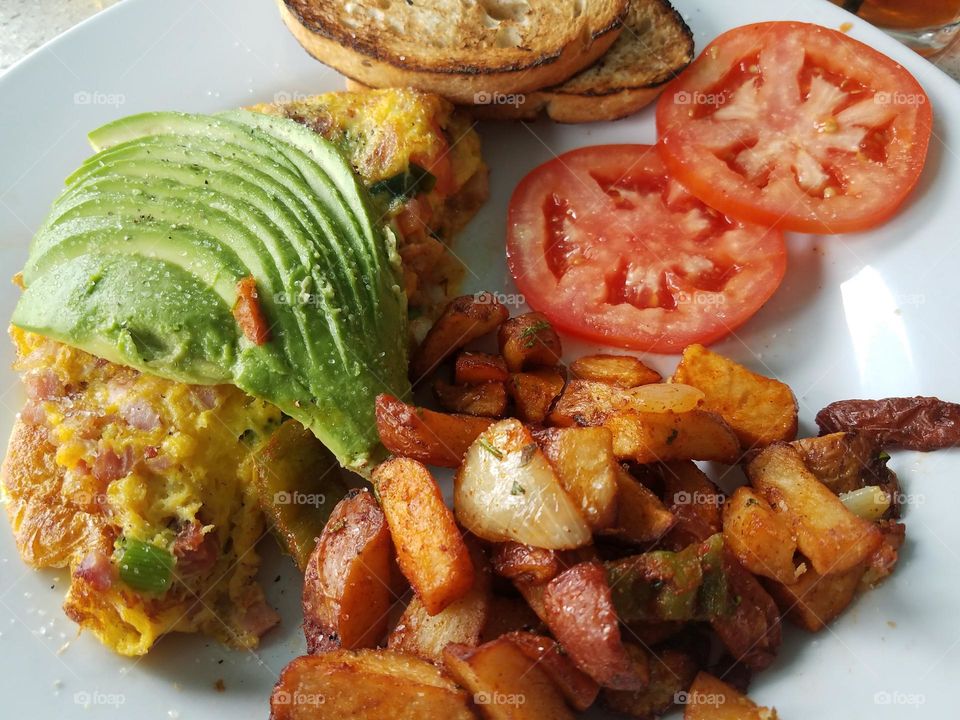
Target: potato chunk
712,699
430,549
758,537
760,410
529,341
623,371
646,437
346,586
465,319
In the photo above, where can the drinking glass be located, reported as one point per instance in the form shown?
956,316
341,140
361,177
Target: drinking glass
927,26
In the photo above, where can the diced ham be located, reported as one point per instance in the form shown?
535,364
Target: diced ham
196,551
206,396
43,385
259,618
33,414
141,415
97,570
109,466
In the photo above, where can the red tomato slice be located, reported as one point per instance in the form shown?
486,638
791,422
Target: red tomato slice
797,126
609,247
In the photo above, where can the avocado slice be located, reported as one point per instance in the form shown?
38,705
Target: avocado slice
139,259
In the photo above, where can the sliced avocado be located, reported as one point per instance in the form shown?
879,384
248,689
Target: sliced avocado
139,260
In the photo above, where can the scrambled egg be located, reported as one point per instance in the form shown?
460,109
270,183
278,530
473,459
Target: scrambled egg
102,455
383,133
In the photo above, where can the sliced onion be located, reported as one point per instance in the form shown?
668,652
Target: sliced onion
665,397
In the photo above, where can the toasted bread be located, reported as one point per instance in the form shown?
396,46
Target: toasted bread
654,47
457,49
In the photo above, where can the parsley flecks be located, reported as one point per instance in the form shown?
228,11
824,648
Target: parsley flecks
672,436
530,333
518,489
495,451
526,455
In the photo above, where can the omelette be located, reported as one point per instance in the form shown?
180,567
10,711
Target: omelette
139,485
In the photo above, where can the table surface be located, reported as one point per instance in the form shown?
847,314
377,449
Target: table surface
26,24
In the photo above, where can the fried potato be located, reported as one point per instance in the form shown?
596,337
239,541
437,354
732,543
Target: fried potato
347,583
577,687
475,368
529,340
430,437
508,614
430,549
585,402
760,410
514,560
505,683
646,437
581,616
641,516
693,500
752,632
584,463
833,538
813,600
488,399
758,537
671,672
884,559
506,490
465,319
535,391
712,699
366,685
419,633
623,371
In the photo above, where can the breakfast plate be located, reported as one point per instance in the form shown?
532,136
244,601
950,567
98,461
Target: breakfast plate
858,316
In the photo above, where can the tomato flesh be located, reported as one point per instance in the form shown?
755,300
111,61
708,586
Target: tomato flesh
797,126
611,248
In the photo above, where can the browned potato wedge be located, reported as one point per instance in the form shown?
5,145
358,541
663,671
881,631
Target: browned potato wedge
671,672
535,391
487,399
584,463
366,685
475,368
662,436
581,616
430,549
623,371
760,410
506,490
465,319
758,537
712,699
585,402
510,614
884,559
578,688
641,516
529,340
534,593
347,583
514,560
430,437
693,500
461,622
813,600
752,633
833,538
505,683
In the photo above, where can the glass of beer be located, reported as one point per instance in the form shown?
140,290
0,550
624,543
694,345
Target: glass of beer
927,26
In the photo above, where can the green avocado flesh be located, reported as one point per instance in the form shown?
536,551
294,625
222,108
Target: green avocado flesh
139,259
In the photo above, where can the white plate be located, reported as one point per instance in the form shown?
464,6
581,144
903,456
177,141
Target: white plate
858,316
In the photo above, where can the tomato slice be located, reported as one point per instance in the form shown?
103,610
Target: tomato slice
609,247
797,126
